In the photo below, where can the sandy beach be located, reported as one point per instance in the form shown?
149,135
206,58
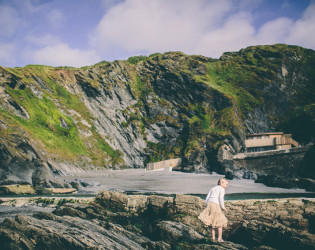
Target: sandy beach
166,182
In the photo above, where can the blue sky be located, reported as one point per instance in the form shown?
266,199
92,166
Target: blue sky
84,32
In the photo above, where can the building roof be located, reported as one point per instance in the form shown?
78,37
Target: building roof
271,133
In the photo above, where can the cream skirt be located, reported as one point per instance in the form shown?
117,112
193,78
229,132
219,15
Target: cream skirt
213,216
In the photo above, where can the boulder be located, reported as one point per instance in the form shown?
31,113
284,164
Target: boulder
188,204
16,189
171,231
48,231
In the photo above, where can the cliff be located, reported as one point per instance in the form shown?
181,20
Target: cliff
118,221
146,109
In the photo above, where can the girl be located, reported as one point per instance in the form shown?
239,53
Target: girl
213,215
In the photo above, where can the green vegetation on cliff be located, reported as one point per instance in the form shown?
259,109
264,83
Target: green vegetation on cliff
44,123
163,105
246,75
50,121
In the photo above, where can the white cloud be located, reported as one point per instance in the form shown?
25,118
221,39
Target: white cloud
62,55
236,33
274,31
6,53
133,27
303,31
206,27
158,25
9,21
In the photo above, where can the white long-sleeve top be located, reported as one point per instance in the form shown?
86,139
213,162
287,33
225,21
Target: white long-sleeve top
216,195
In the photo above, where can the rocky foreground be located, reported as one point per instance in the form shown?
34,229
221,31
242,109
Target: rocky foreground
118,221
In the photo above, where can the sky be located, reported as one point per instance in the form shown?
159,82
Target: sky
84,32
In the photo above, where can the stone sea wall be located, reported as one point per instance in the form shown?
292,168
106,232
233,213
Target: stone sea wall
276,162
277,168
172,163
119,221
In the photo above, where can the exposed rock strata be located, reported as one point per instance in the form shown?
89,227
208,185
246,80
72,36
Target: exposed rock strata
119,221
127,113
23,163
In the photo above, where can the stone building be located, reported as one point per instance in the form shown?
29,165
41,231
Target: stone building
269,141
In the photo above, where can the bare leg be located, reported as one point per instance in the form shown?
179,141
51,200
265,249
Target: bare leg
213,233
220,234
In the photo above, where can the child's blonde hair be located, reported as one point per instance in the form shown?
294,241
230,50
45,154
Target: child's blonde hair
221,179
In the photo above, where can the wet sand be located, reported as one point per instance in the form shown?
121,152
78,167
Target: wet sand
166,182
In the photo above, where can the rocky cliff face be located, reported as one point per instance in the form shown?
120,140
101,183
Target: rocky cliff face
146,109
